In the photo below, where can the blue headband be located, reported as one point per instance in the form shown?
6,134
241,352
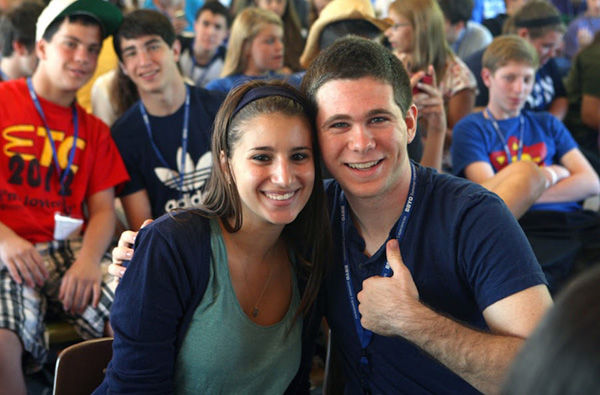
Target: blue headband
266,91
539,22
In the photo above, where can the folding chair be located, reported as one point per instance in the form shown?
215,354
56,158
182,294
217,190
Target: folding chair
80,368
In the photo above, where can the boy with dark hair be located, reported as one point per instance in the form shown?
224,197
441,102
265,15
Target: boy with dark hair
56,159
17,40
464,36
540,23
484,143
164,138
203,55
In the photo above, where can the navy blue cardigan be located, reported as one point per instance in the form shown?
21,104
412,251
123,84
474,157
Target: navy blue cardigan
145,364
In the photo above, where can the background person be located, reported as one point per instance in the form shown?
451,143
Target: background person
164,138
582,29
293,40
254,52
202,57
17,40
463,35
560,356
504,133
540,23
583,91
418,39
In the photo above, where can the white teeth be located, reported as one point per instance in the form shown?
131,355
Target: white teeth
365,165
278,196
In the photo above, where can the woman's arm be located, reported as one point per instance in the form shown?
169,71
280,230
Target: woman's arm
148,309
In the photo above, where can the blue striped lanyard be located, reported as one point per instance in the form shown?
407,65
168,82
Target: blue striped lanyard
38,107
365,335
184,136
509,157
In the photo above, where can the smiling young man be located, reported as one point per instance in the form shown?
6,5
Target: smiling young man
164,138
453,314
56,158
484,143
202,57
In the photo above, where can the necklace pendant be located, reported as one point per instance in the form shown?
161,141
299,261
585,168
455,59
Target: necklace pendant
254,312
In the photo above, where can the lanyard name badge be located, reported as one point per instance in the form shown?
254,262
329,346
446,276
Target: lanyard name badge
509,157
184,138
365,335
64,225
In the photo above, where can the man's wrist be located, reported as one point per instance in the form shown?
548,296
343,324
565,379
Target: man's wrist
553,176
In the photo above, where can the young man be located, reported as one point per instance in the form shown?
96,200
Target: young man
464,36
485,143
453,314
164,138
17,41
451,294
202,56
56,158
539,22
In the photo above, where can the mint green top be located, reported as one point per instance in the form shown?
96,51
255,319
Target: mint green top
224,352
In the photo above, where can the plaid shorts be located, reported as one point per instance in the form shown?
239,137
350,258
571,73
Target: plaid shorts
22,308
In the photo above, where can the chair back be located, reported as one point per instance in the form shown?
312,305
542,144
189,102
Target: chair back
80,368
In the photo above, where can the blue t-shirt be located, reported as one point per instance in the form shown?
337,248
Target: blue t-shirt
545,141
226,84
547,87
455,248
143,164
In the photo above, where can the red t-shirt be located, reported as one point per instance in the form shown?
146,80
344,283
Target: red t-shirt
29,184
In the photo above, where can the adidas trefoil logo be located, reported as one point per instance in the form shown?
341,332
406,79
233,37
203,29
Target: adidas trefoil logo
194,176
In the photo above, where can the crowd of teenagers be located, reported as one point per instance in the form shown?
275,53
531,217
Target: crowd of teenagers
219,185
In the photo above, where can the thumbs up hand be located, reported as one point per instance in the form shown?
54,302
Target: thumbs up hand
387,302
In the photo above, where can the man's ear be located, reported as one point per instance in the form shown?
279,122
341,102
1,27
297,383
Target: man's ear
123,69
486,75
40,49
523,32
19,48
411,123
176,48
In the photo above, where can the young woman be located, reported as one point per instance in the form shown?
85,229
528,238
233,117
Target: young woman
417,37
212,300
255,50
292,27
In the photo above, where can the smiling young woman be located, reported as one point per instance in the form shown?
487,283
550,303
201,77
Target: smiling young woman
234,277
